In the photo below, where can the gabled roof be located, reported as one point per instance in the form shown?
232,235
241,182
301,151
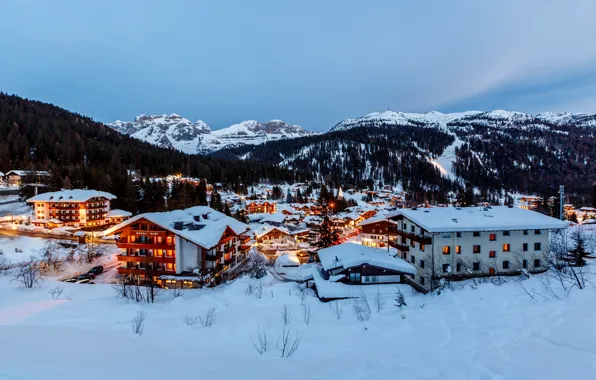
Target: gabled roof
28,172
495,218
116,213
76,195
267,228
201,225
274,218
348,255
375,219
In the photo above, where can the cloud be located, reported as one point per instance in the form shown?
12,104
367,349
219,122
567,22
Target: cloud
310,62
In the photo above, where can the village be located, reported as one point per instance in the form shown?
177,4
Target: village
331,240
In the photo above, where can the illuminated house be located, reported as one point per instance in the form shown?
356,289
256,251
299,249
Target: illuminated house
261,207
177,245
77,208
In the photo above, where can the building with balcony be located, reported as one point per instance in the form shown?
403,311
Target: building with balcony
261,207
188,247
76,208
17,177
458,243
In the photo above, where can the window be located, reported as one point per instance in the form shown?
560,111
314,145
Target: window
506,233
505,264
371,279
405,226
525,247
525,232
536,263
422,247
491,270
458,234
355,277
506,247
404,255
412,243
492,254
458,249
413,259
374,231
445,268
476,248
413,228
493,237
446,250
458,267
537,232
421,280
170,266
421,263
476,266
476,234
525,264
537,246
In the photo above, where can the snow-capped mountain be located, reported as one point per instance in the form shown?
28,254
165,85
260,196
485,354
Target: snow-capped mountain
177,132
491,118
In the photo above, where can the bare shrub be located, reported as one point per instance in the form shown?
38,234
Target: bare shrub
254,290
56,292
302,295
306,313
138,322
263,343
286,316
379,303
177,292
361,308
288,344
28,274
208,319
337,309
4,264
400,299
259,291
190,319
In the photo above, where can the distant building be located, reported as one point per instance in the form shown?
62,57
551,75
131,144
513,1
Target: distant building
261,207
16,177
175,247
456,243
117,216
77,208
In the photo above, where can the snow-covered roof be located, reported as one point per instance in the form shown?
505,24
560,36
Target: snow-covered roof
76,195
201,225
259,202
267,228
348,255
495,218
274,218
117,213
28,172
375,219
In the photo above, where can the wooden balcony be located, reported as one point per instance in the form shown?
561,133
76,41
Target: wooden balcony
147,259
417,238
146,233
146,246
152,272
401,247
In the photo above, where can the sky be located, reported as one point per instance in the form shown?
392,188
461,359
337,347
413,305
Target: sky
308,62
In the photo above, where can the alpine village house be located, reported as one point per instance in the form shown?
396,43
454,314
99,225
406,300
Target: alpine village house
458,243
183,248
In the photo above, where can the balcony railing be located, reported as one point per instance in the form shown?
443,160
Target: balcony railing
147,259
146,246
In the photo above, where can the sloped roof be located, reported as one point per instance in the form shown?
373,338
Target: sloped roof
348,255
207,224
495,218
75,195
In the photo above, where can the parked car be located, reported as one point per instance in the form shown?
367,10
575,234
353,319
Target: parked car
73,279
96,270
84,278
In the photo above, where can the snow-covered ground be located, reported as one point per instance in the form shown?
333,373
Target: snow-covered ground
479,331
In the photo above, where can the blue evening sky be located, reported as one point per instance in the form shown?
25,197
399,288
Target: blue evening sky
308,62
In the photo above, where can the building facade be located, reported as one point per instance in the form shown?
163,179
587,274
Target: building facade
458,243
261,207
196,245
16,177
77,208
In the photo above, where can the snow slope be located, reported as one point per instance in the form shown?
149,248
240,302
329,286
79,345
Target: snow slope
479,331
174,131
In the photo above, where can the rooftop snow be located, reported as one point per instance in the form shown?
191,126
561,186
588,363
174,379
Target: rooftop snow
76,195
213,226
116,213
349,255
495,218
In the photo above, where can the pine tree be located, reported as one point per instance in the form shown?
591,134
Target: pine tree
289,198
328,236
578,255
226,210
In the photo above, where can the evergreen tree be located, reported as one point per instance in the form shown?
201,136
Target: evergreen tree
289,198
215,202
202,193
226,210
578,255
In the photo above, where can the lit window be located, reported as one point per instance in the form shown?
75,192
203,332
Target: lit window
476,249
493,237
422,247
170,266
458,249
446,250
492,254
506,247
491,270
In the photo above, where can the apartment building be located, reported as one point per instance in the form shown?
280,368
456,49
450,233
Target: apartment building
182,245
261,207
457,243
77,208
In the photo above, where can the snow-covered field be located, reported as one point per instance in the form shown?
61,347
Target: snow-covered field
474,332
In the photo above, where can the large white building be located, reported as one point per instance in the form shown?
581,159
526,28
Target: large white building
78,208
473,241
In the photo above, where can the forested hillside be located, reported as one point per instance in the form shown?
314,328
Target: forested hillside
84,153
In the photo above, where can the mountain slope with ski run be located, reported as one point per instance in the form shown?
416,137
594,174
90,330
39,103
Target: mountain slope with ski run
176,132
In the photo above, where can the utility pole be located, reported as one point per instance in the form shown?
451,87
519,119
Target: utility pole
561,202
